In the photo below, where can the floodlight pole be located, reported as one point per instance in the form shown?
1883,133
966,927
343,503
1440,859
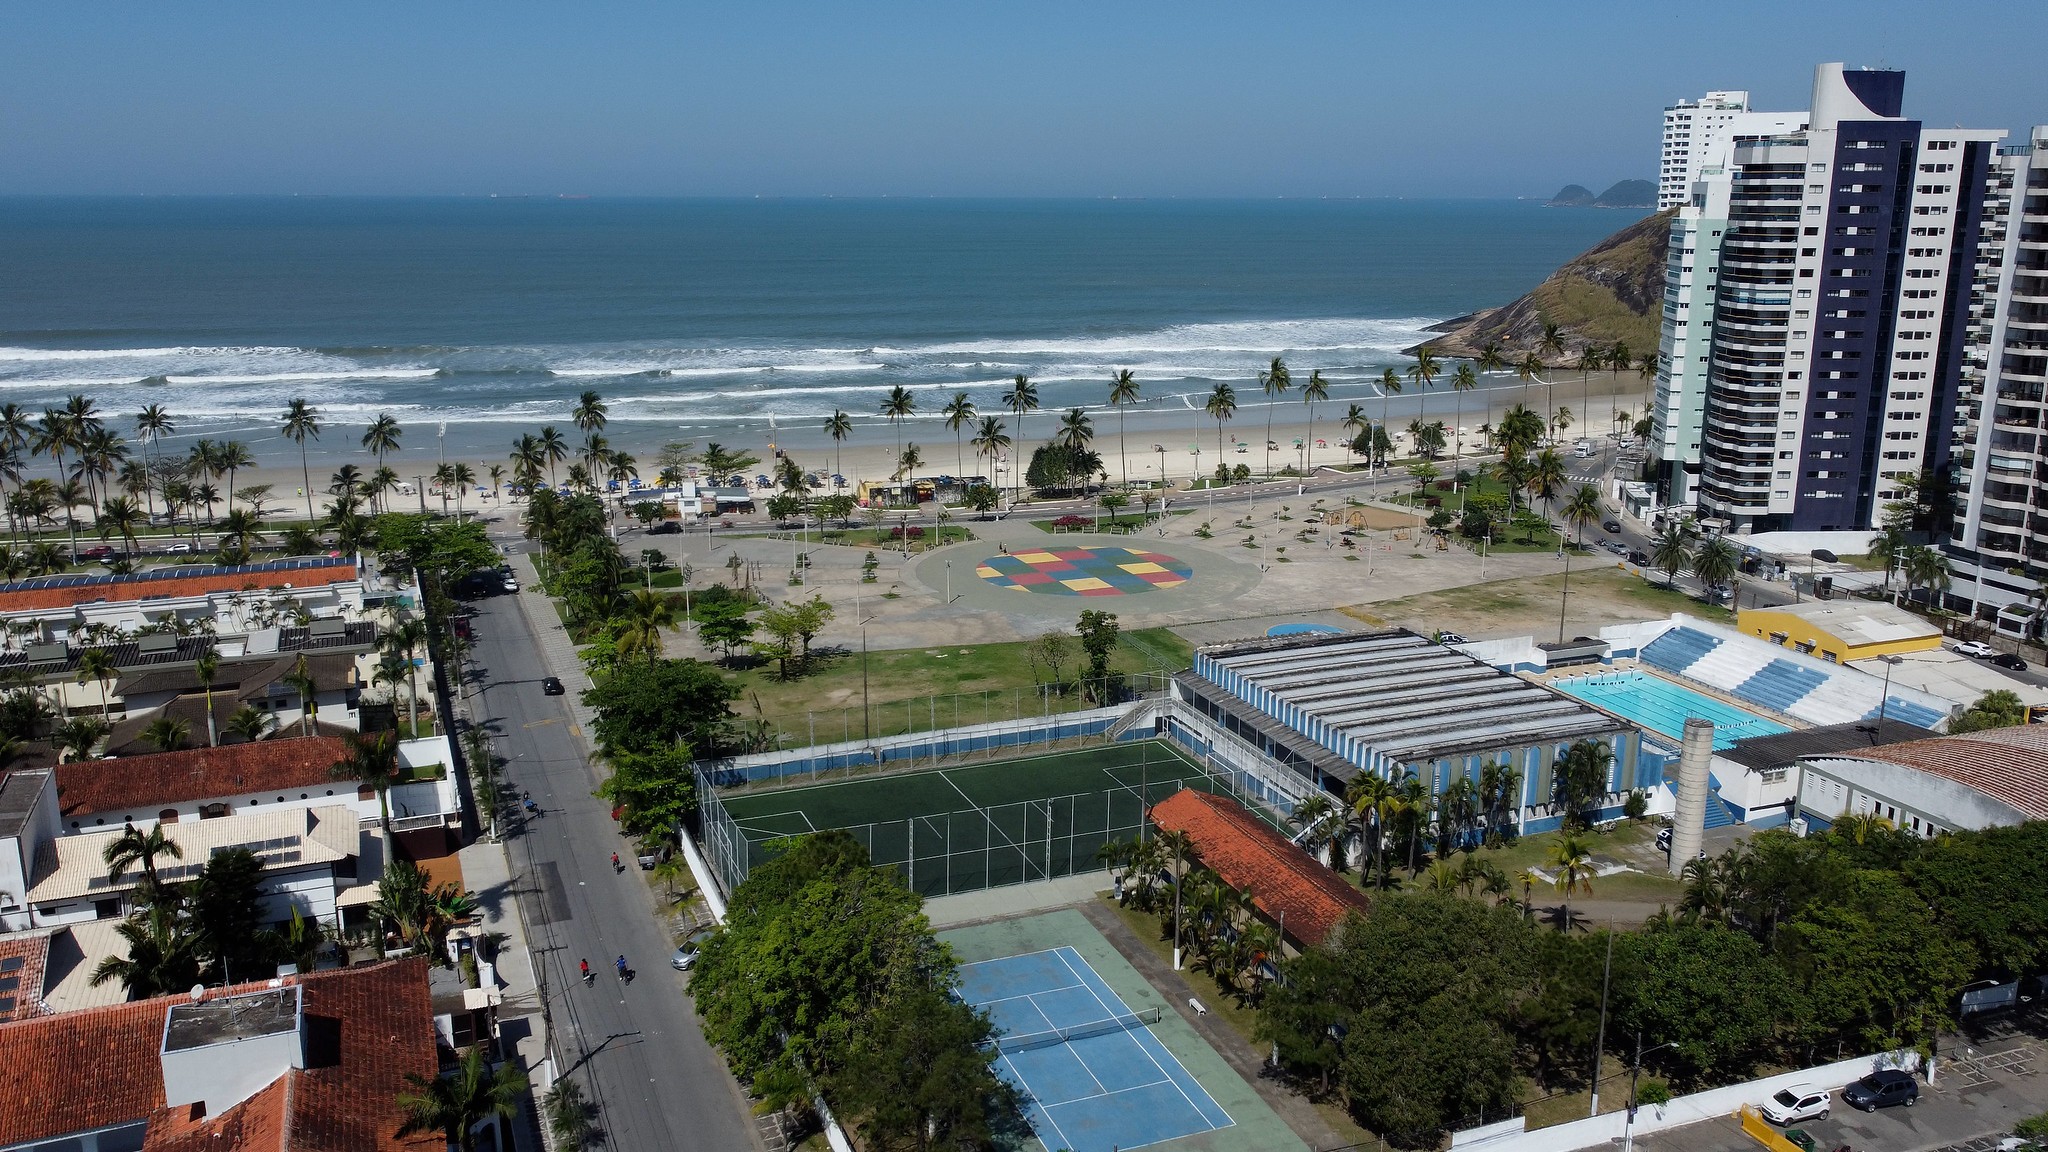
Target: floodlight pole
1564,597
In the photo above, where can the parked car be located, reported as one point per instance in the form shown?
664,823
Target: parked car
1882,1090
1796,1103
2009,661
687,952
1638,556
1974,649
1663,839
551,686
1451,638
511,584
97,552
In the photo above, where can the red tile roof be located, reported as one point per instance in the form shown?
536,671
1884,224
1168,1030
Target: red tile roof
1247,854
148,783
173,584
368,1027
2008,764
23,958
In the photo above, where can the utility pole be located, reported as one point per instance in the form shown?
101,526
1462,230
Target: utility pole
1600,1036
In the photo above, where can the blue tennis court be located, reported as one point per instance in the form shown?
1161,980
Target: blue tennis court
1094,1077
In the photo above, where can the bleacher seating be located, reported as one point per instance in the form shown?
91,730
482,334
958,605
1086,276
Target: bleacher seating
1678,649
1780,684
1897,709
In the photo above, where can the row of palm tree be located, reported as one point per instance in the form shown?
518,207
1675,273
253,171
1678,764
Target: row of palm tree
1218,926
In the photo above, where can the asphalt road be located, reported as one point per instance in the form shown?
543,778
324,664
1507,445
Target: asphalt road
637,1047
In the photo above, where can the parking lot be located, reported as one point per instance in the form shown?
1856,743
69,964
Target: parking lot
1979,1095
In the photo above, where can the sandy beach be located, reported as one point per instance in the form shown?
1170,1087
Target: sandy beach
1156,442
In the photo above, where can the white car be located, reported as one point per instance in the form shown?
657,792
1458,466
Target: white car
1797,1103
1975,649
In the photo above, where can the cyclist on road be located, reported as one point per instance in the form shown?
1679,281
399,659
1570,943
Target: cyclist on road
585,966
615,863
622,967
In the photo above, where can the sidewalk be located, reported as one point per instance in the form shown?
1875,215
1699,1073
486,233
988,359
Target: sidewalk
522,1014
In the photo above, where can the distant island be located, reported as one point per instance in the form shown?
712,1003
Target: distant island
1623,194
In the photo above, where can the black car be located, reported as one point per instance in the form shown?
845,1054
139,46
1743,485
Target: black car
2010,661
551,686
666,528
1638,556
1882,1090
1610,526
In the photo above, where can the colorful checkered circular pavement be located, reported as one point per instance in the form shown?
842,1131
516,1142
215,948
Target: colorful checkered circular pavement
1084,571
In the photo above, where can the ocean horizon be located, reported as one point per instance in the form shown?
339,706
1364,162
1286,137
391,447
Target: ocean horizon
726,319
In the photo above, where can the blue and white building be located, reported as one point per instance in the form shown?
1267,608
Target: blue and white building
1826,375
1394,704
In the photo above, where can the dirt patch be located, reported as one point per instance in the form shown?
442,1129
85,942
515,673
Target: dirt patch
1529,606
1369,516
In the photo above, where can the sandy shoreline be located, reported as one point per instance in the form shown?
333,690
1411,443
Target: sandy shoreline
871,452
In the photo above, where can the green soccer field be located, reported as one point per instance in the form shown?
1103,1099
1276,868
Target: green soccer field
981,825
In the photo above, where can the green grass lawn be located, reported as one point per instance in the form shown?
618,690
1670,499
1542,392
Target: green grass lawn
973,683
1132,520
1532,851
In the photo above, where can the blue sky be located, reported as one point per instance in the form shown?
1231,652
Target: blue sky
953,99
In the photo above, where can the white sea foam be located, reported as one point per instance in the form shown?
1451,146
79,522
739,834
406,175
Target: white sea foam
298,377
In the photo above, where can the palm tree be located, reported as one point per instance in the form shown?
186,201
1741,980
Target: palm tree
75,738
1550,344
1672,552
1123,391
1530,369
1316,390
300,422
371,761
1222,406
646,614
959,414
1076,430
1590,357
1462,381
1572,857
1390,387
231,456
1619,359
897,407
1583,509
250,723
568,1112
167,733
207,668
120,516
160,956
97,664
1021,398
1926,568
1321,822
1890,546
1274,381
590,414
1373,800
382,436
463,476
1715,562
455,1105
152,424
553,449
1179,847
1547,476
989,441
839,426
134,846
1355,423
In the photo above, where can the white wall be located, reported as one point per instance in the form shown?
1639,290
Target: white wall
1716,1104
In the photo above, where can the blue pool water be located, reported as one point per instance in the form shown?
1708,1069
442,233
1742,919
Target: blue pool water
1663,707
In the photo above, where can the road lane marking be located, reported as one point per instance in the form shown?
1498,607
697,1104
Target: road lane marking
544,723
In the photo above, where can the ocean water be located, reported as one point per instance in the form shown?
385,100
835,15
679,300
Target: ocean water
726,319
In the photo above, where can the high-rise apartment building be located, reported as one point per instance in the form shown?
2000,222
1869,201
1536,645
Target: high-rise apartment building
1825,376
1696,134
1998,552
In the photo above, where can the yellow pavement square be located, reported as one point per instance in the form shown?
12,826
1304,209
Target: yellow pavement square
1036,557
1086,584
1142,568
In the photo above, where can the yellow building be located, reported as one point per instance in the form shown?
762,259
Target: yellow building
1841,630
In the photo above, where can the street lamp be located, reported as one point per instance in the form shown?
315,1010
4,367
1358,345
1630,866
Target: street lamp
1890,662
1628,1124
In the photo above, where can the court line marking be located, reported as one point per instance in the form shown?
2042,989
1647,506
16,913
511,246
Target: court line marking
1194,1107
1037,1103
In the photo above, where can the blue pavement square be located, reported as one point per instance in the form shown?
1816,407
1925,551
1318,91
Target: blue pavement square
1120,1090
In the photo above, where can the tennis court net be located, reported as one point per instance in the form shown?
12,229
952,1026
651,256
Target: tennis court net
1024,1041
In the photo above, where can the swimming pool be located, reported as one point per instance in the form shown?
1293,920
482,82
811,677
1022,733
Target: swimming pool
1657,704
